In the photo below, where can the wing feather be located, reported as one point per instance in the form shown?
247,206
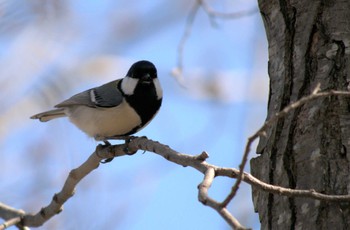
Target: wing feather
107,95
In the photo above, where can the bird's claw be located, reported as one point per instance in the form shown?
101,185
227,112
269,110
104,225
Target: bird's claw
128,140
102,146
106,160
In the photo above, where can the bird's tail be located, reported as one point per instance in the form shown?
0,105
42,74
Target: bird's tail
49,115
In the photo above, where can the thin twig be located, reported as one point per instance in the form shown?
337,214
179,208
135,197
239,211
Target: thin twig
231,15
178,71
275,189
165,151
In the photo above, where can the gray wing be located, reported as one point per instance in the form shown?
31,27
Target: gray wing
107,95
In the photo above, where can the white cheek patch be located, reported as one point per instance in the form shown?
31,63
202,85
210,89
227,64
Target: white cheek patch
128,85
158,88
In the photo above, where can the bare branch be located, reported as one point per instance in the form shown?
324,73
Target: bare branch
7,212
73,179
205,185
11,222
261,132
142,143
178,71
206,200
197,162
275,189
12,215
250,179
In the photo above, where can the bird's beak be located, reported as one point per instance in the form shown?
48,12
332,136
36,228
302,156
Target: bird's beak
146,78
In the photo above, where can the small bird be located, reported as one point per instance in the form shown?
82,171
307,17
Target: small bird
116,109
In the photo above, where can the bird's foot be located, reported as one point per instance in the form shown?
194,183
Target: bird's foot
128,140
102,146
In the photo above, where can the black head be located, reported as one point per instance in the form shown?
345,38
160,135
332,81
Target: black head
143,70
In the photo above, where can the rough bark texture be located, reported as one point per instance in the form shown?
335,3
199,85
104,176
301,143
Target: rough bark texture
309,148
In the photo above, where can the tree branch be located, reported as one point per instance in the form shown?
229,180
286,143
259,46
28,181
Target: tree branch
12,215
206,200
74,177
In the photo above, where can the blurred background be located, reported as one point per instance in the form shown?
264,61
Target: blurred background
50,50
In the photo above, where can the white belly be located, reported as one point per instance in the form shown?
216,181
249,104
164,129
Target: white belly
104,122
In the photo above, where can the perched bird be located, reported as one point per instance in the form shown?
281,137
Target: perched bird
116,109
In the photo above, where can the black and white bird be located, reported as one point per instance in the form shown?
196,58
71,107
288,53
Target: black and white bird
116,109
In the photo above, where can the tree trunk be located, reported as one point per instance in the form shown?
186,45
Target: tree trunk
308,149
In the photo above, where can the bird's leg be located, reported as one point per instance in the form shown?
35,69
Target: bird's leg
124,138
127,140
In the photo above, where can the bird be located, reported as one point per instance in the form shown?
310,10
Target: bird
116,109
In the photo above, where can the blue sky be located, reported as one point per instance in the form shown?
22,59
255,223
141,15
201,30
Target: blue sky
48,53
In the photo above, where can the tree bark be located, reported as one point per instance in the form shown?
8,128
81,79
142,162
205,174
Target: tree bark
309,148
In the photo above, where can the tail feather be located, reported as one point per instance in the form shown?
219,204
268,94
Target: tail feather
49,115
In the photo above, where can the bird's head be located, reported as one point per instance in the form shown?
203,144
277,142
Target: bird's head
143,71
144,74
